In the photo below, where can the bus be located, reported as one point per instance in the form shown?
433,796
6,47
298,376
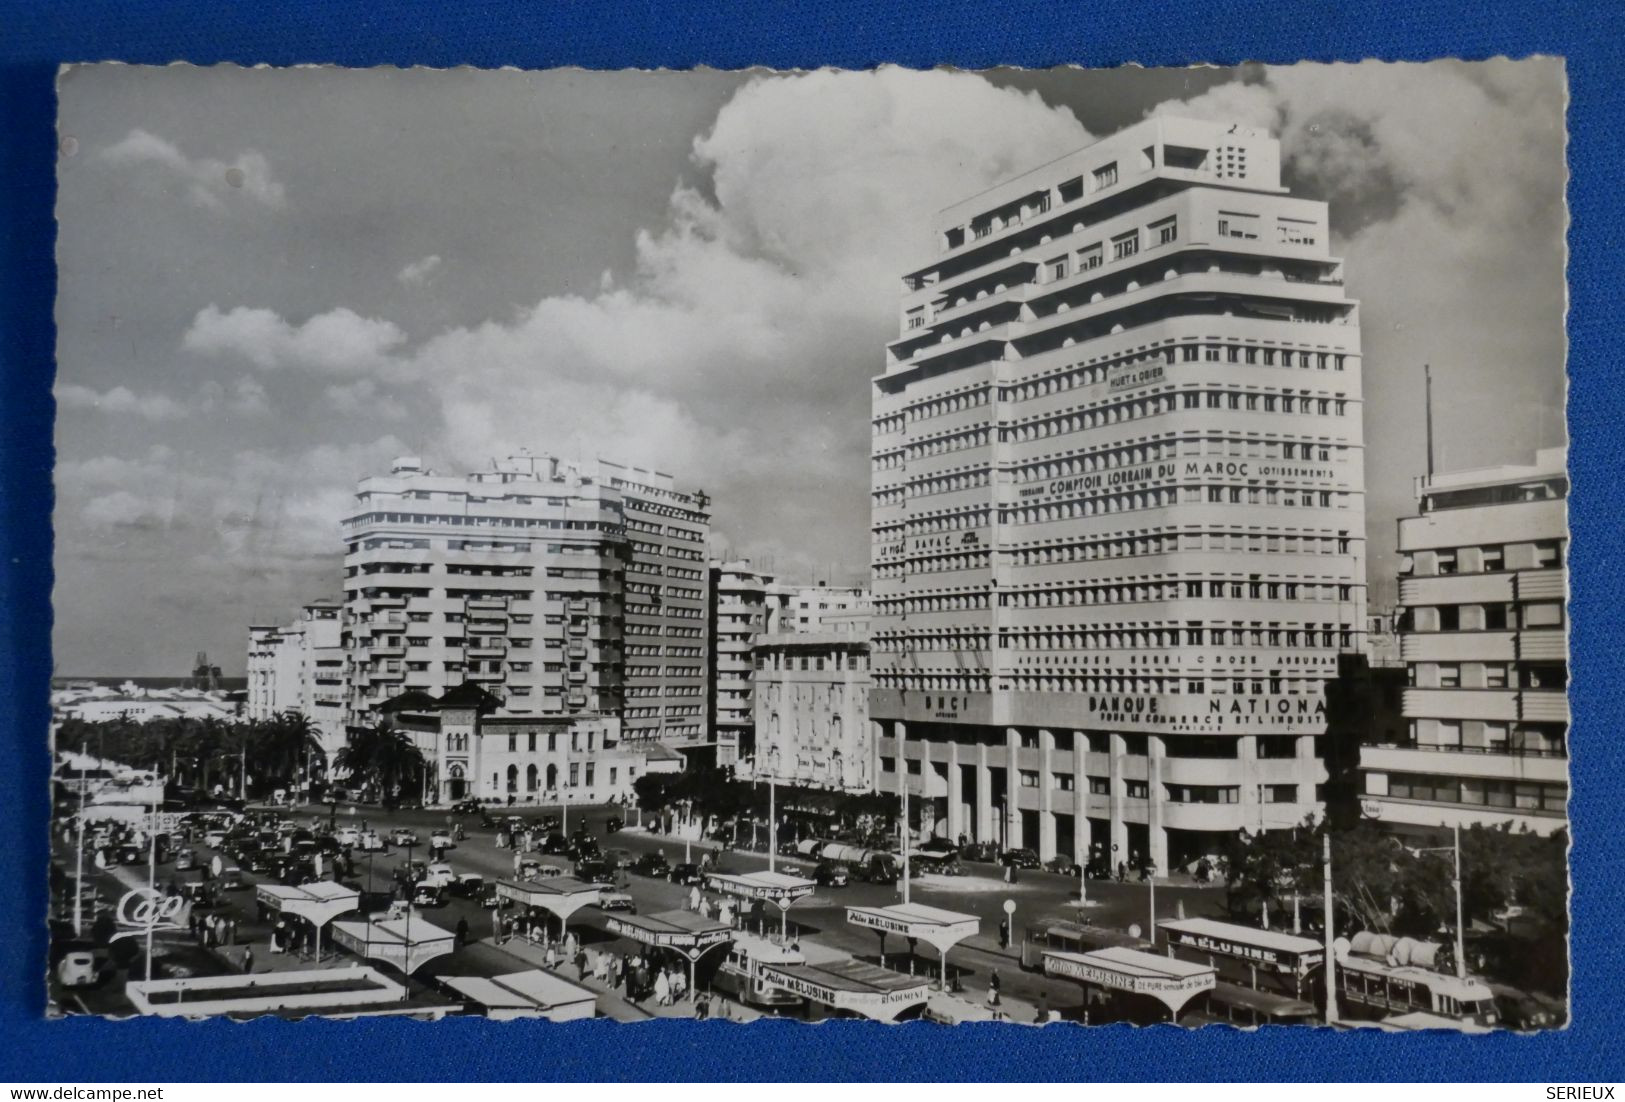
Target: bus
1230,1004
1381,976
739,976
1061,935
1261,959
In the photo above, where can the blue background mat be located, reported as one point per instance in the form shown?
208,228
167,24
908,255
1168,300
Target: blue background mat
35,37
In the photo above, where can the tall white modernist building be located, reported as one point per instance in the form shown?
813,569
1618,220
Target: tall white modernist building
1118,503
299,667
562,588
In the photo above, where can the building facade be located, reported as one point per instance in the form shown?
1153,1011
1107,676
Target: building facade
812,706
474,751
805,608
1483,636
299,667
740,611
1118,503
563,588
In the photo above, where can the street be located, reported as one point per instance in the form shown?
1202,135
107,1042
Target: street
819,918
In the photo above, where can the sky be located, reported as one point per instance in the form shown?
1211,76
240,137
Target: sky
273,282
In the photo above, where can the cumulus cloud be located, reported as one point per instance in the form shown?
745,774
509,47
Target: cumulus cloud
363,398
207,181
417,273
119,401
339,342
1445,185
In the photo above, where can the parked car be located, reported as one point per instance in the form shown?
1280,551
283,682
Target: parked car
490,900
439,874
618,858
185,860
685,874
614,824
410,873
831,874
442,840
534,869
652,864
214,837
466,807
556,845
371,842
469,885
612,900
1020,858
1063,865
593,871
80,967
429,895
583,849
404,836
348,836
980,851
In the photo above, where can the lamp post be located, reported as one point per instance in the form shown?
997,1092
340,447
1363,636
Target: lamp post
79,857
1455,883
772,810
406,950
152,869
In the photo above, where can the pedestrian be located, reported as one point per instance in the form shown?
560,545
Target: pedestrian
993,985
231,931
248,958
694,898
550,959
1122,871
1007,870
702,1008
581,964
462,932
1042,1016
662,990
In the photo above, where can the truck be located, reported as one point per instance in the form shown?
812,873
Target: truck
875,866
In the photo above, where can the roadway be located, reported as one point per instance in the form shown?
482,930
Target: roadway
819,918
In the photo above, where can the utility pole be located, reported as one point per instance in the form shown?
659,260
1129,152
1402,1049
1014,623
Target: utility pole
1461,939
902,784
79,857
1331,955
152,869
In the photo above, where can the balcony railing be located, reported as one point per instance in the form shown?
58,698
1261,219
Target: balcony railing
1497,749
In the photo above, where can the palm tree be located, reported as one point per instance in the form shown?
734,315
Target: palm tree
384,756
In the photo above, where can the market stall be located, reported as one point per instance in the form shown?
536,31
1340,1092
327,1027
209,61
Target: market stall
406,943
777,888
851,987
530,994
559,896
940,929
685,933
1165,980
318,903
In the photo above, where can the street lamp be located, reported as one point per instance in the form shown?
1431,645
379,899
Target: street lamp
1455,883
772,809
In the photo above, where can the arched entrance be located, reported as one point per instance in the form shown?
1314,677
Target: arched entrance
456,783
513,778
530,779
552,778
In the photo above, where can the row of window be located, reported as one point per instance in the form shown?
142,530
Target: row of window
1496,616
1493,559
1487,675
1251,542
1475,792
1160,499
776,661
1077,638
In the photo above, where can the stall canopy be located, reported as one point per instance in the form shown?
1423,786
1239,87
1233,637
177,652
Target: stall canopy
559,896
692,935
405,943
777,888
318,903
1171,982
530,994
940,929
853,986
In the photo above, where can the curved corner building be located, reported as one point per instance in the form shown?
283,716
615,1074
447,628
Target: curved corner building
1118,504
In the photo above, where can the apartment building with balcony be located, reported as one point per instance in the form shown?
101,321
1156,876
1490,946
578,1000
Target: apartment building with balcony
299,667
805,608
740,607
1118,503
563,588
1483,637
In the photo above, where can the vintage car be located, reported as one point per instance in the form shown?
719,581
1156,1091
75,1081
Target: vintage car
611,900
